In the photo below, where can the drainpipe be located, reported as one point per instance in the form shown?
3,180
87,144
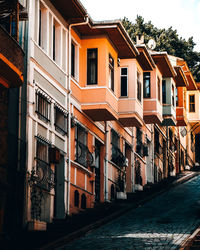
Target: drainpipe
152,145
69,108
132,164
106,161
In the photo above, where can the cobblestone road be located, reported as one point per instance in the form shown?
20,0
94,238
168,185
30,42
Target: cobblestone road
162,223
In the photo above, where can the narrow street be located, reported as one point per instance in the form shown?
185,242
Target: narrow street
162,223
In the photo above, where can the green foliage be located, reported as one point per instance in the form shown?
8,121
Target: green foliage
166,40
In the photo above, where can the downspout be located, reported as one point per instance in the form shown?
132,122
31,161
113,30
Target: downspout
106,161
69,108
152,145
133,164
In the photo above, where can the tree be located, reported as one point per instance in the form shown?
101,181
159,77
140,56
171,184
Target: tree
166,40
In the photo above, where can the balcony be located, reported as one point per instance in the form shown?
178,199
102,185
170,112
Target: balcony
181,116
11,61
152,113
152,106
130,112
99,103
169,115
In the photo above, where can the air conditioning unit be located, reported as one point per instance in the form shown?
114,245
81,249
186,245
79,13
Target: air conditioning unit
126,162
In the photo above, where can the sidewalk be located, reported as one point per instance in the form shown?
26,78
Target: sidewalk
62,231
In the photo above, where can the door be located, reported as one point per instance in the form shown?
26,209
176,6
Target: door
59,208
97,171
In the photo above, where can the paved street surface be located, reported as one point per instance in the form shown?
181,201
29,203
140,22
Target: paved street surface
162,223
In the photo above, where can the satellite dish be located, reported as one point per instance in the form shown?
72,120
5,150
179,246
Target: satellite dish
151,44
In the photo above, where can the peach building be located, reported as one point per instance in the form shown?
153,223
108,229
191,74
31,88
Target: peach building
102,116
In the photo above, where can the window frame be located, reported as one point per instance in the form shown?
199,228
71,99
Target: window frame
164,92
158,85
73,59
139,87
122,76
111,73
192,104
173,95
60,128
90,63
146,79
43,107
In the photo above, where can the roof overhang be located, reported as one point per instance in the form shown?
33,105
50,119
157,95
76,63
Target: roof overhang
180,78
115,32
162,61
144,58
191,82
72,10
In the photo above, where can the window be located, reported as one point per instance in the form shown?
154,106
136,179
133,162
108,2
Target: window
164,92
54,41
73,60
191,103
139,87
45,175
176,97
83,201
111,73
146,84
42,27
124,81
76,198
117,156
43,107
158,80
42,152
83,155
60,120
139,145
173,98
92,66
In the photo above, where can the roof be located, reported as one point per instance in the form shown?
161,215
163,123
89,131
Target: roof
192,84
162,61
180,78
144,58
74,12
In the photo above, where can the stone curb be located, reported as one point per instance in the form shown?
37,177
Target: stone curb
81,232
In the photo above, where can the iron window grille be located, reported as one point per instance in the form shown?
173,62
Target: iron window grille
43,106
139,145
158,148
83,155
60,120
117,156
44,173
138,177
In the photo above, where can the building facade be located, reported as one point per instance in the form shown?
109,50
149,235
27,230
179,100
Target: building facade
105,117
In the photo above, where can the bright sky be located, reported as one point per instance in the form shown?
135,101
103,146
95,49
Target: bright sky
182,15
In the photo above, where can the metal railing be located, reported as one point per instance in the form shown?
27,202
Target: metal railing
83,155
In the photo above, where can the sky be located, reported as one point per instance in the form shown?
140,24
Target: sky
182,15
